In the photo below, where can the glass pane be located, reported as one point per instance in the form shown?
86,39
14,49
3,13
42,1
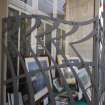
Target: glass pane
27,2
46,6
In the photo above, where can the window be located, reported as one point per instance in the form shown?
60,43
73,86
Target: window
47,6
29,2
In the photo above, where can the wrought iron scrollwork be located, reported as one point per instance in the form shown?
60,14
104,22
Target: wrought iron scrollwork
56,23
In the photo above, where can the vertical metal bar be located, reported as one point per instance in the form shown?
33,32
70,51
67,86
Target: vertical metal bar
95,70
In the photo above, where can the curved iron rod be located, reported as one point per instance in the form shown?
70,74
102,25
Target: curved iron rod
80,41
74,29
55,26
81,59
55,19
80,23
90,35
36,25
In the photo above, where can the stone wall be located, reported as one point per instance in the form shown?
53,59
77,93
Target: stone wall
80,10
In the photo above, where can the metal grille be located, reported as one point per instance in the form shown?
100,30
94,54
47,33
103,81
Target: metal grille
97,84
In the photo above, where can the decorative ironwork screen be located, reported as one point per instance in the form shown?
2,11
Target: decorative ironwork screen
97,65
